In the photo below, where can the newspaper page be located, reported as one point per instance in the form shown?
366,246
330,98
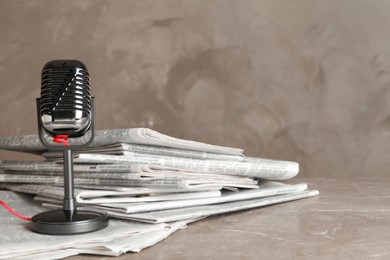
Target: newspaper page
208,210
32,143
116,247
142,199
267,169
41,166
17,240
86,193
226,181
201,211
102,196
163,183
150,175
266,189
250,167
128,149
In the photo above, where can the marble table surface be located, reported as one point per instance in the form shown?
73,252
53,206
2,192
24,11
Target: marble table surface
350,219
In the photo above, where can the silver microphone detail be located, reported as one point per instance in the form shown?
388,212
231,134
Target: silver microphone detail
65,104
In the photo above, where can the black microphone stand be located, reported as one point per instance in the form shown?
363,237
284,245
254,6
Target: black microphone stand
68,220
69,205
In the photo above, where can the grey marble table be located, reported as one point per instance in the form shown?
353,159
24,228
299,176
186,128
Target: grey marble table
350,219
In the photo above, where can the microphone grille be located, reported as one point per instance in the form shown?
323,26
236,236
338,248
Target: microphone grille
65,104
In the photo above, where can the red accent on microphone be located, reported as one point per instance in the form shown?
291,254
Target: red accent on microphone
61,139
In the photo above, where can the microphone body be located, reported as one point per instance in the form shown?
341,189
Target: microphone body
66,110
65,103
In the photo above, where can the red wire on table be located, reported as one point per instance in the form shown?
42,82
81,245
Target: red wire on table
13,211
58,139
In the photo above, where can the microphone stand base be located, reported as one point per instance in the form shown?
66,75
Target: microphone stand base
61,222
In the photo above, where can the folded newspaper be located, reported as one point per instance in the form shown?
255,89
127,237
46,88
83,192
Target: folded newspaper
18,242
145,136
144,178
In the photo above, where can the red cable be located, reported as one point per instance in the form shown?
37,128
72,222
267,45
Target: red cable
13,211
61,139
58,139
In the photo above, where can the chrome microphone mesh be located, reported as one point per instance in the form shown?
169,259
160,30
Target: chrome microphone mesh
65,104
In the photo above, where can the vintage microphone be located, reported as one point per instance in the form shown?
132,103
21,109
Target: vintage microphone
66,121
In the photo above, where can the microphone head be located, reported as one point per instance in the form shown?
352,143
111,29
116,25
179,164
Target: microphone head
65,103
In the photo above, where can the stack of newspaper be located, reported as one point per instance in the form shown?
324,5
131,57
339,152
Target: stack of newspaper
142,175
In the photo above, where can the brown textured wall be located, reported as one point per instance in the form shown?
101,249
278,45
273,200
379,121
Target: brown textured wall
302,80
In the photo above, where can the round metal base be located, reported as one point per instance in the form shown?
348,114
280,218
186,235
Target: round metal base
60,222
